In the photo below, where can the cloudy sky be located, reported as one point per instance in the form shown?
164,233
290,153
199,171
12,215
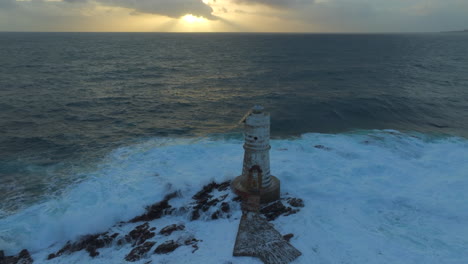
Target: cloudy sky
234,15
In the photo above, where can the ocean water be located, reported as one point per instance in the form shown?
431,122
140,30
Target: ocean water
95,126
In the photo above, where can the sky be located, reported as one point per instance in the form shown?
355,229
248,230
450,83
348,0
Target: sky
234,15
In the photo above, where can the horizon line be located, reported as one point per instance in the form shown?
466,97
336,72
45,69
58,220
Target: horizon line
235,32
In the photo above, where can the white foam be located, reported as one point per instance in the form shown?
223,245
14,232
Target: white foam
371,197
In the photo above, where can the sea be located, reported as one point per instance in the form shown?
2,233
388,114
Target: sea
370,130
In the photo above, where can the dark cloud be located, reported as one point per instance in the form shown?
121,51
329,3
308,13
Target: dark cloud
7,3
275,3
170,8
75,1
311,15
383,15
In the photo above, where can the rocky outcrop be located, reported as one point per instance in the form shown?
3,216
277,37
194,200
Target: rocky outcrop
288,237
171,228
22,258
139,252
193,242
275,209
90,243
213,201
205,192
296,202
204,199
225,207
322,147
138,235
156,210
167,247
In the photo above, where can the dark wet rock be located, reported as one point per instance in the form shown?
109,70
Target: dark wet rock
296,202
8,260
204,199
90,243
225,207
195,248
224,186
275,209
22,258
292,211
156,210
95,243
138,235
193,242
51,256
171,228
209,204
195,215
64,249
223,197
204,193
167,247
322,147
215,215
139,252
288,237
169,211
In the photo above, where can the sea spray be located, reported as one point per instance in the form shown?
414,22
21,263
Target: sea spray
370,196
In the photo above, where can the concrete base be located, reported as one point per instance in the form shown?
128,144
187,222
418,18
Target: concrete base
257,238
267,195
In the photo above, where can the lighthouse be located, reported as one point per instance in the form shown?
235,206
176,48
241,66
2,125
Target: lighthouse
256,182
256,186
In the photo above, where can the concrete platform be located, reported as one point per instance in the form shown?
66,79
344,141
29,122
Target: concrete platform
257,238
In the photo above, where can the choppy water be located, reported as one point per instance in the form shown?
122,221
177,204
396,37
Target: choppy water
371,197
70,100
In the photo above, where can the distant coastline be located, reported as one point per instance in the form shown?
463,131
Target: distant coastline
456,31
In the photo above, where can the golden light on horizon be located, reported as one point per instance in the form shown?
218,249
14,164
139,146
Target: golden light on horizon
191,19
226,16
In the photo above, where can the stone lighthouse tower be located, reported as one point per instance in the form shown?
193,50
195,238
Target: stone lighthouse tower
256,180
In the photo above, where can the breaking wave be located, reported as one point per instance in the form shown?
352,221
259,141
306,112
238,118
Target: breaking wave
377,196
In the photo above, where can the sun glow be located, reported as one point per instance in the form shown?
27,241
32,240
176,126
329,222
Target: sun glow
191,19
